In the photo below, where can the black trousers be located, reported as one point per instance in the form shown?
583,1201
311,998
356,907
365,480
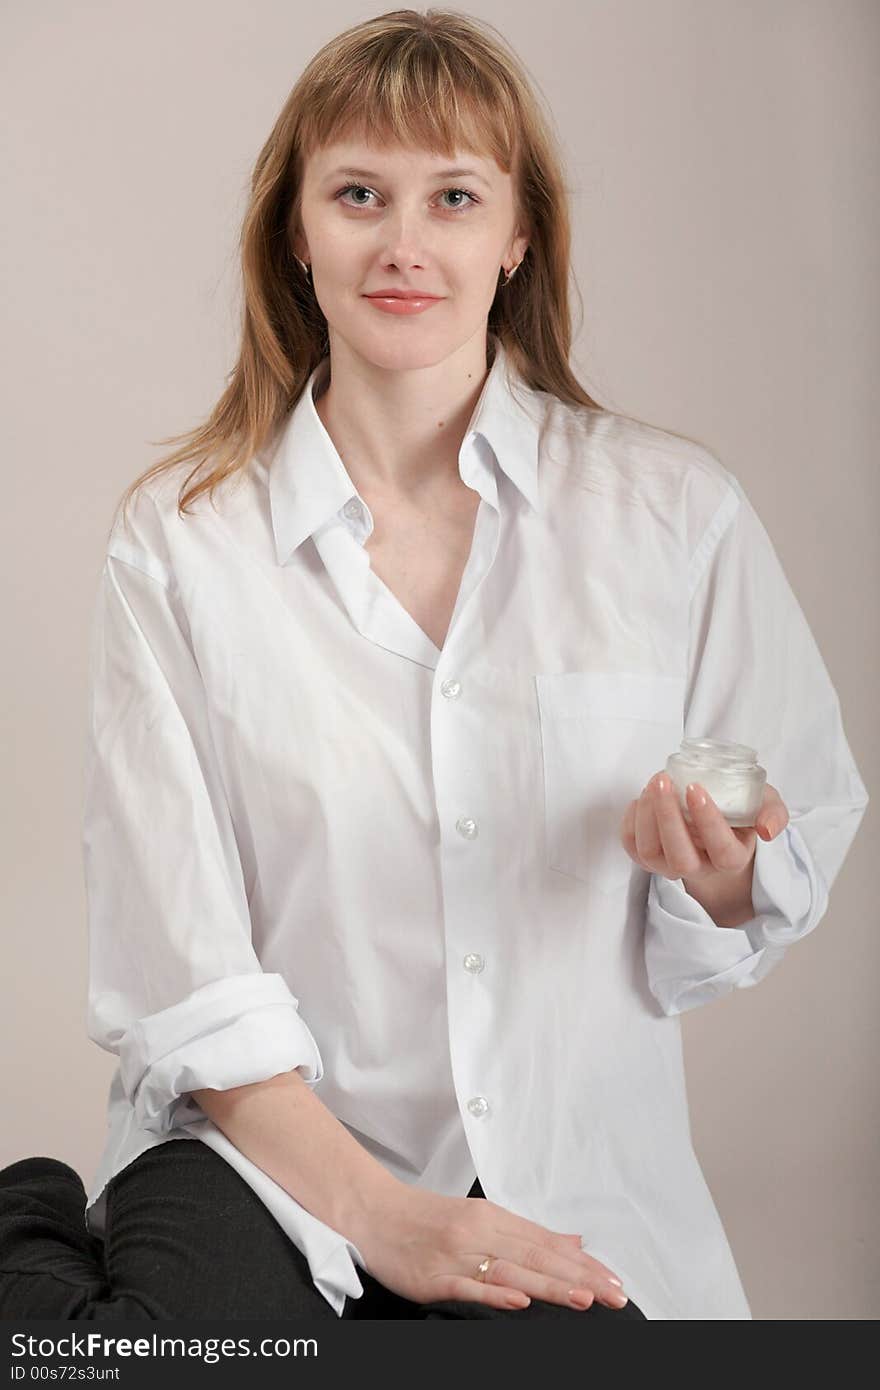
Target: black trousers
186,1237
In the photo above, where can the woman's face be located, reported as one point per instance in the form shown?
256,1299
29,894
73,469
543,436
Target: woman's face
375,218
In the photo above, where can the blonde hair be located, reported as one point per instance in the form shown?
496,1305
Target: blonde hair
442,81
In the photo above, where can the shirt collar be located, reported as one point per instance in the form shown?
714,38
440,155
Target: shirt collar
309,484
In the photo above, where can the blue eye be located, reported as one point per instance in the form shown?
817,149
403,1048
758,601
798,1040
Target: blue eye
361,188
467,195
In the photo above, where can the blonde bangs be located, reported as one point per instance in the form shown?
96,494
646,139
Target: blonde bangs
413,93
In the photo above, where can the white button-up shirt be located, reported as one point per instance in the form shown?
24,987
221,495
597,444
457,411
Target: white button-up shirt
314,840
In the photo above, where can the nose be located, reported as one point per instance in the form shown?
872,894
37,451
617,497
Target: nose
405,241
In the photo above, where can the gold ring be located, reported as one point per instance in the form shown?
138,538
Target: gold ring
482,1268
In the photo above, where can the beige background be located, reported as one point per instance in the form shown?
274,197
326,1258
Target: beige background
722,158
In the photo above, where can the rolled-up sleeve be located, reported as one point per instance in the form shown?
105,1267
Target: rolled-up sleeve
175,987
756,676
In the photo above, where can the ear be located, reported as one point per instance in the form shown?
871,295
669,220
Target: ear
518,248
298,243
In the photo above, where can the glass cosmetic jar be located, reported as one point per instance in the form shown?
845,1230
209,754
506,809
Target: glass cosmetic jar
729,772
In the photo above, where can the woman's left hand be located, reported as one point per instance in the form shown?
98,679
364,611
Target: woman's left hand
656,835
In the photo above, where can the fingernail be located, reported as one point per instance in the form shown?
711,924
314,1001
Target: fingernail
581,1298
766,831
698,797
612,1280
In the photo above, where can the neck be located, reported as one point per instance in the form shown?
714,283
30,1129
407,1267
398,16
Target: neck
399,433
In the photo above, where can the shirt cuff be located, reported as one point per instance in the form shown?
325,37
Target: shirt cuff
228,1033
690,959
788,893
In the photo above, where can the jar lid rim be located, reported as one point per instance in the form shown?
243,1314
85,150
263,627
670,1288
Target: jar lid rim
720,749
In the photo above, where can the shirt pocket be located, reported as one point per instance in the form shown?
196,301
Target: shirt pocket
603,735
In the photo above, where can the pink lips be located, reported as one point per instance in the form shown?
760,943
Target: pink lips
403,302
401,294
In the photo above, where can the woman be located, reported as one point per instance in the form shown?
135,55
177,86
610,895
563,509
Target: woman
390,904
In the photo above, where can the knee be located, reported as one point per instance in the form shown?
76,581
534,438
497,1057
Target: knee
42,1190
27,1171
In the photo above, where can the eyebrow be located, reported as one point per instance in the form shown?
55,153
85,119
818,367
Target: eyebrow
440,174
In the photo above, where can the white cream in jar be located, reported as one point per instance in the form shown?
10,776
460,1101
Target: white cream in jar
729,772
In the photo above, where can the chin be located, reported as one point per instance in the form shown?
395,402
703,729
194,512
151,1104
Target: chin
406,351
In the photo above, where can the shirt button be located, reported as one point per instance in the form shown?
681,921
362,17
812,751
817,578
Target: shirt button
478,1105
352,509
466,827
473,962
450,689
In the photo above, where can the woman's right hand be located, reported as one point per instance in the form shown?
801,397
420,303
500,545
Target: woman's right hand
426,1247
